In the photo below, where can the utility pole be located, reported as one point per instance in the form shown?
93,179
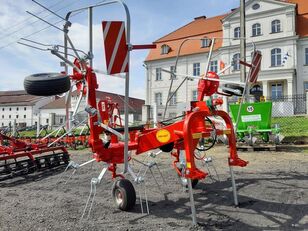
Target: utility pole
243,39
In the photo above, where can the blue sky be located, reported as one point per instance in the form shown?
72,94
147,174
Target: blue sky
150,20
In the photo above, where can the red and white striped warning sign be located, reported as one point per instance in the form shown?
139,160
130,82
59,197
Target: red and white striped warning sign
116,49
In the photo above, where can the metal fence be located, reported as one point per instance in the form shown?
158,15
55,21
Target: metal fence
289,105
290,113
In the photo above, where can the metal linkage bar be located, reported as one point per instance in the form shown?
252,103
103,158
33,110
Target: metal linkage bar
75,166
49,10
191,77
50,24
209,58
118,134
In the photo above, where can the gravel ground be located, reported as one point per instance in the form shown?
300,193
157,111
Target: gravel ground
272,191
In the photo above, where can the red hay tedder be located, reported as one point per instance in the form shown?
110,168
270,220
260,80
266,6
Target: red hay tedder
182,137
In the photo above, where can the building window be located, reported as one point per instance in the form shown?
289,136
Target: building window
255,6
165,49
277,90
3,109
158,74
276,27
196,69
236,62
2,124
194,95
158,99
61,120
47,121
214,66
256,29
17,109
173,70
24,116
10,109
306,56
9,116
173,99
205,42
2,116
237,32
305,87
276,57
25,108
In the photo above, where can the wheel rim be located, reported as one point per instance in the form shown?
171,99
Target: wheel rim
118,196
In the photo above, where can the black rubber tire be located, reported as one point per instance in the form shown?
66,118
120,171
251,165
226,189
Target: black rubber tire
235,87
47,84
124,189
194,183
167,147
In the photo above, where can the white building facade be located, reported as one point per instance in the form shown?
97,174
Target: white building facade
21,108
274,27
271,27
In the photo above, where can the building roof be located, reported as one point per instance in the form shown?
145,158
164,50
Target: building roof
212,27
58,103
302,17
199,28
135,105
18,98
302,6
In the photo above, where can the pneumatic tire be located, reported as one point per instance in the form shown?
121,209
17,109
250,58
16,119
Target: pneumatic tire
47,84
124,194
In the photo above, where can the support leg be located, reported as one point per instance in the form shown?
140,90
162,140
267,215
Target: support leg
233,186
192,202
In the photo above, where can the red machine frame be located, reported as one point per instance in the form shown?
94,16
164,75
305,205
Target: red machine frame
182,135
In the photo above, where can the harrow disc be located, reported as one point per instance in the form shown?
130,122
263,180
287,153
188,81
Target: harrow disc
13,168
16,168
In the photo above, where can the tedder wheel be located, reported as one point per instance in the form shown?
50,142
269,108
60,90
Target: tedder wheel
47,84
233,89
124,194
167,147
194,183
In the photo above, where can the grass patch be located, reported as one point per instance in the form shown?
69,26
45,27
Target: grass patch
296,126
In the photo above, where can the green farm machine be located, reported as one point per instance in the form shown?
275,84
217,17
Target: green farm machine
254,120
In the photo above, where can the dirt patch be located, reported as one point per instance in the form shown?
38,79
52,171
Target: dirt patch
272,191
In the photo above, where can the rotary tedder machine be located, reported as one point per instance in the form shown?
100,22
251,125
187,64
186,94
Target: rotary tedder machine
113,144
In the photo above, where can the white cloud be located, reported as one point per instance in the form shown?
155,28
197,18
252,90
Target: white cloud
150,20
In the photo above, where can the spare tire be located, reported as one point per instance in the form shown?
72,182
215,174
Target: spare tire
47,84
233,89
